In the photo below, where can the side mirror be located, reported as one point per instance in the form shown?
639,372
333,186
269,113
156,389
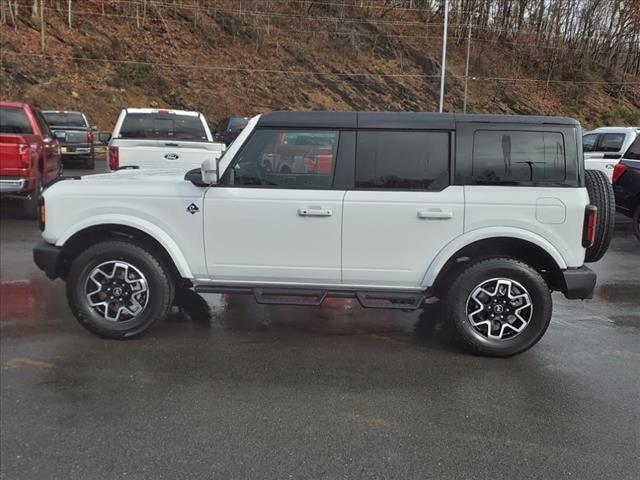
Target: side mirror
104,137
60,135
209,171
94,128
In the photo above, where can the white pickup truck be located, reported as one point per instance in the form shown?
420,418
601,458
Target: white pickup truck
489,214
158,138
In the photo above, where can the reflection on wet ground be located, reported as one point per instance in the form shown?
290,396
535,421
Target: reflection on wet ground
226,388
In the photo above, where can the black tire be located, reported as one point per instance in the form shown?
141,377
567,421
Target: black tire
90,163
458,303
601,195
159,282
30,205
635,222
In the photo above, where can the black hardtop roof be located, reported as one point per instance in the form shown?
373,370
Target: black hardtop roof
398,120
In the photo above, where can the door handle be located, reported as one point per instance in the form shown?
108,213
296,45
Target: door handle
314,212
171,145
435,214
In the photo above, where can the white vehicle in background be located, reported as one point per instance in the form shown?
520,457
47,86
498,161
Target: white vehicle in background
603,147
159,138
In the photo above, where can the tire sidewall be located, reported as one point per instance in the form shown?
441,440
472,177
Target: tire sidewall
635,222
529,279
159,291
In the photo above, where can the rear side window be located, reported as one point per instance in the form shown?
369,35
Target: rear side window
400,160
65,119
634,150
295,159
610,142
514,157
14,120
161,126
589,141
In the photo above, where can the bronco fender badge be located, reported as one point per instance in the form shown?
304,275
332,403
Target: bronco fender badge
193,208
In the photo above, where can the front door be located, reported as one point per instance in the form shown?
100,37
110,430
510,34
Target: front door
403,210
264,225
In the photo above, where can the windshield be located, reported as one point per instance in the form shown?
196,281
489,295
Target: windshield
65,119
163,126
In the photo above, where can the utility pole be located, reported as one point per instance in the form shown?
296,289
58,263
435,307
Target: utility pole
466,69
42,25
444,53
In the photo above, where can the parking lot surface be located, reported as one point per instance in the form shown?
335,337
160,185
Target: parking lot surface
231,389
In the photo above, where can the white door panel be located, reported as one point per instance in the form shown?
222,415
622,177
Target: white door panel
390,237
266,235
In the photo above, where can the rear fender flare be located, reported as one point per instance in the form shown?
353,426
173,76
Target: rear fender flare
468,238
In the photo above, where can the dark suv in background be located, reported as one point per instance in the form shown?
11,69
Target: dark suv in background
229,128
626,185
75,135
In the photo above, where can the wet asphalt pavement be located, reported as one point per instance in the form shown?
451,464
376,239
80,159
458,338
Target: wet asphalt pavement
233,390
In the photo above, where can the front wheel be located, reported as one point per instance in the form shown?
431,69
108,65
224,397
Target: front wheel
499,307
117,289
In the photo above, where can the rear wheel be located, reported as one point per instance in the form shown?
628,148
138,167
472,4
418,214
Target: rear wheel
635,222
499,307
30,205
601,195
90,163
117,289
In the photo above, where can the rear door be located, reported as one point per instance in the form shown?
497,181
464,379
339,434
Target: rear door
165,140
403,209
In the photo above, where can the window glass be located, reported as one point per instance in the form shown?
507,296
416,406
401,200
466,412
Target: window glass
163,126
402,160
14,120
286,159
238,123
64,119
222,126
516,157
42,123
611,142
634,150
588,142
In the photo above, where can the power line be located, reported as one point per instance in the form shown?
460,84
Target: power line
308,72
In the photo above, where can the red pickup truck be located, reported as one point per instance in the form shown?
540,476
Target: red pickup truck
29,154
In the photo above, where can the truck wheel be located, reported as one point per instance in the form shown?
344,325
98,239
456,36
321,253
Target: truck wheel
635,222
30,205
499,307
90,163
601,195
117,289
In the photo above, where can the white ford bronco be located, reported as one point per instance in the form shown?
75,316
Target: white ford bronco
488,214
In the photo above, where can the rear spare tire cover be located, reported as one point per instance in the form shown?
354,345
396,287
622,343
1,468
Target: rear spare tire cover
600,195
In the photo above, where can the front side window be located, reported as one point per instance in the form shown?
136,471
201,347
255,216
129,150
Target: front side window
14,120
238,123
400,160
611,142
296,159
589,141
513,157
163,126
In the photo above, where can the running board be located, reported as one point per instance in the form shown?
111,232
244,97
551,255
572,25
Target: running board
385,299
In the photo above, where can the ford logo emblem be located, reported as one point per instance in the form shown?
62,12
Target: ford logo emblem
172,156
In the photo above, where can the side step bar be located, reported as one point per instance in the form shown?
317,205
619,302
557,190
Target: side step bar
314,297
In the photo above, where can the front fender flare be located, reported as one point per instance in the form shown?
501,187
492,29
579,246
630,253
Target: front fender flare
134,222
472,236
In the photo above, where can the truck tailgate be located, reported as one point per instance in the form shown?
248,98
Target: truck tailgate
165,154
9,161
